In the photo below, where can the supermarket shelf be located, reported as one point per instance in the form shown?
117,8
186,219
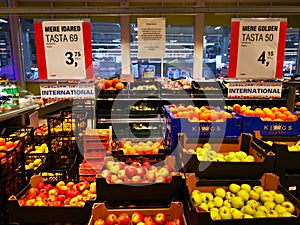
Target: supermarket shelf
129,120
17,117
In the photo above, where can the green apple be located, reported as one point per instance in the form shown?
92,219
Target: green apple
285,214
279,198
199,151
246,187
214,215
266,196
218,201
253,203
206,197
229,156
272,213
260,214
280,209
234,188
247,216
218,159
254,195
236,214
289,206
196,192
262,208
258,189
235,159
249,158
272,192
212,154
227,203
197,199
204,206
269,205
248,209
243,194
237,202
240,155
229,195
200,157
210,205
207,146
220,192
225,213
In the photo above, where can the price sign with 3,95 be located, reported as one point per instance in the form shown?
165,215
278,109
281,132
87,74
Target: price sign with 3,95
63,49
257,48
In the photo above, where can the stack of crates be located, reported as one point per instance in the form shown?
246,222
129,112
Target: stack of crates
97,144
12,170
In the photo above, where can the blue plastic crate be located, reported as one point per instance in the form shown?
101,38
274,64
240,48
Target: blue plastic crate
270,128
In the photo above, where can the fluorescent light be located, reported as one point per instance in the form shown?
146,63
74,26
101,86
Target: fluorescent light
217,28
173,41
3,21
135,29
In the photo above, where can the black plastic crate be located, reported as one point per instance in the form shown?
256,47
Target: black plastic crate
114,93
17,133
61,167
144,108
64,144
263,162
34,164
207,89
11,184
145,89
13,158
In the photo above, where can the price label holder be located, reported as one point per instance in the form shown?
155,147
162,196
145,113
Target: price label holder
257,48
64,49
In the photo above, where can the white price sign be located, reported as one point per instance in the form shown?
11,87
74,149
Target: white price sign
63,49
257,48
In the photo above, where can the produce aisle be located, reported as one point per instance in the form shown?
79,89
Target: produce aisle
203,164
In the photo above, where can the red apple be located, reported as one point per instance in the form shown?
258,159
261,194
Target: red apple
42,191
33,191
40,185
177,221
146,164
70,184
61,198
99,222
130,171
43,196
136,164
67,201
136,179
137,217
62,190
170,223
121,174
111,219
60,183
122,165
30,202
30,196
140,171
48,187
80,186
123,219
160,218
148,218
160,179
57,203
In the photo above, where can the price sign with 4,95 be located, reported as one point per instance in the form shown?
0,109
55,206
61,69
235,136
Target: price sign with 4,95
257,48
64,49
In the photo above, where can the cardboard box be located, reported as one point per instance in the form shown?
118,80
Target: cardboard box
264,162
174,211
46,214
268,181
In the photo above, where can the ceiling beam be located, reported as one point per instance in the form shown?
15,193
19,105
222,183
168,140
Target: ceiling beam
150,10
